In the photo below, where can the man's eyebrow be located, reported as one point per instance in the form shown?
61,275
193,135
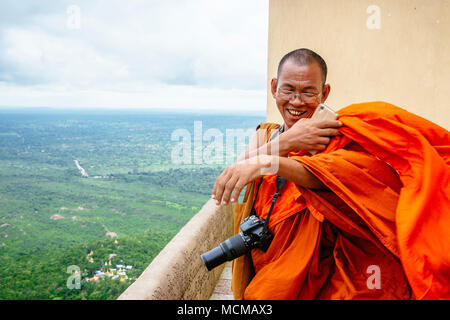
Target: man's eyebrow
287,85
309,88
292,87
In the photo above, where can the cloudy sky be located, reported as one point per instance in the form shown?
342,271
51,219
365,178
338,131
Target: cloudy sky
181,54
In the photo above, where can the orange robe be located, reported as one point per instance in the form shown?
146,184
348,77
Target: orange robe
383,229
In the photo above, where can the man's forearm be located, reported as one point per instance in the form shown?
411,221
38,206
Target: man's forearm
276,147
294,171
235,177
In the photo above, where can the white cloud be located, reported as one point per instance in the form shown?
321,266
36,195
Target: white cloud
173,52
42,58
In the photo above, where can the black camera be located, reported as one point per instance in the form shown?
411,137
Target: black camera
255,234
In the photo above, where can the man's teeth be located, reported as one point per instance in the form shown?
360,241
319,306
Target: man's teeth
296,113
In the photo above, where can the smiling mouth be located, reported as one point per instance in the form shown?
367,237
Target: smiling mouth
296,113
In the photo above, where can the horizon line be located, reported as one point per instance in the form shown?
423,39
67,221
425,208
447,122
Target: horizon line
261,112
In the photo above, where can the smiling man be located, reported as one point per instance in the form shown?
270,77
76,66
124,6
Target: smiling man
300,85
357,220
298,90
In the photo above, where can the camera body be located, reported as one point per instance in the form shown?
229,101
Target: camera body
254,235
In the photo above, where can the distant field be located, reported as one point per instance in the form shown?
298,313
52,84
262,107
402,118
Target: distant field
133,200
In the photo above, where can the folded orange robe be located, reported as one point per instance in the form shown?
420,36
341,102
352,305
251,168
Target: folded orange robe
383,232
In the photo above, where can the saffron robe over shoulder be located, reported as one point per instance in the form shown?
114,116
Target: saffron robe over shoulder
383,229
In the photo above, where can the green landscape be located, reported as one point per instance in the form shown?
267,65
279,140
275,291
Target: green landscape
94,189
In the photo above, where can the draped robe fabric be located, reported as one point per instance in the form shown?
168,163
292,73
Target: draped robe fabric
383,229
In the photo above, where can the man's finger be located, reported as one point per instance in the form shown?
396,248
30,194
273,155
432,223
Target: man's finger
223,174
214,190
323,140
329,124
319,147
237,191
229,186
329,132
219,185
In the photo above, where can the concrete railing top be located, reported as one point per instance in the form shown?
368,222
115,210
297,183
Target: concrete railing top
178,272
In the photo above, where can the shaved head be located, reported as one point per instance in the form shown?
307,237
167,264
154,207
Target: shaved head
304,57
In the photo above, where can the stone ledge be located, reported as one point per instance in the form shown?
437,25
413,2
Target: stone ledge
177,272
222,291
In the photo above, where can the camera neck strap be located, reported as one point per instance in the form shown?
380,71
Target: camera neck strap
253,211
280,182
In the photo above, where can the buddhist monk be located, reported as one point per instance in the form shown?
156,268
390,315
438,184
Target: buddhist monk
367,217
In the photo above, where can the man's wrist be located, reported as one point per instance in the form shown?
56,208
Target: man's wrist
285,144
264,160
268,164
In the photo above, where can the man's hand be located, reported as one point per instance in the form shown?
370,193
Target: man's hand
305,134
311,135
235,177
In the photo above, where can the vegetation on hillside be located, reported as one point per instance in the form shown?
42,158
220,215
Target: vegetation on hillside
133,201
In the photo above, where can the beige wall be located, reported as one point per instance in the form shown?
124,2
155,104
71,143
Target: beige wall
405,62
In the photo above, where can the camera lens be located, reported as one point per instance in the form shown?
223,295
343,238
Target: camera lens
228,250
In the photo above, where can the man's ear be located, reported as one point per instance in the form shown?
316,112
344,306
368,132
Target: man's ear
273,86
325,92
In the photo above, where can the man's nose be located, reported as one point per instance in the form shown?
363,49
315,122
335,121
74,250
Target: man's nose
297,100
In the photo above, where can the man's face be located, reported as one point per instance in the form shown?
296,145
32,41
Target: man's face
298,91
